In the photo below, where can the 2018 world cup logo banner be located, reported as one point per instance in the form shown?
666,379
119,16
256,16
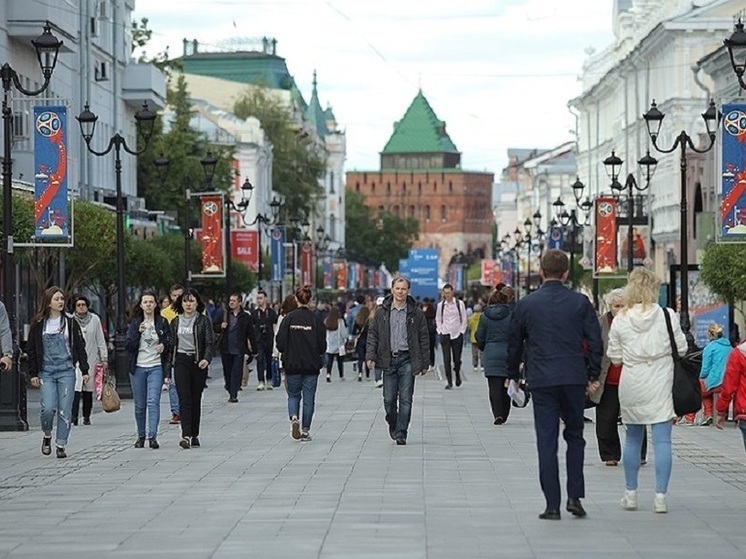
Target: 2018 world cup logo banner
50,177
733,173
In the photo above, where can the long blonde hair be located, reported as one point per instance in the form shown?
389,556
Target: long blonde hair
642,288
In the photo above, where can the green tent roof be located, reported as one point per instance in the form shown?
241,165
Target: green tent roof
420,131
315,114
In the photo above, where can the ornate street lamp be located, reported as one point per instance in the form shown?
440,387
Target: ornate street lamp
736,45
570,221
47,48
239,208
653,119
144,119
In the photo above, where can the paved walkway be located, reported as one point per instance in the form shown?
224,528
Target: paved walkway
461,488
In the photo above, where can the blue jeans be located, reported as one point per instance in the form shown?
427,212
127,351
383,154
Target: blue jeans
398,385
173,396
661,448
146,393
57,392
302,386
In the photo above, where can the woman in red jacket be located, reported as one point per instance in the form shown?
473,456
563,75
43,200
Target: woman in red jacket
734,386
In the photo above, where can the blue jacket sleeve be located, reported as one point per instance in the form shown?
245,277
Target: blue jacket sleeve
592,334
515,343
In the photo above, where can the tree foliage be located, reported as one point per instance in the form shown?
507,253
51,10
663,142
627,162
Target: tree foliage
723,269
297,163
141,36
383,239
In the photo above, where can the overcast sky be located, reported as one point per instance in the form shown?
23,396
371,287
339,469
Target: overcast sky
499,72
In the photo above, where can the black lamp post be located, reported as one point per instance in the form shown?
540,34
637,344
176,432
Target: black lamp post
240,209
47,48
511,252
527,226
571,222
648,163
736,45
320,245
208,162
261,219
653,120
145,119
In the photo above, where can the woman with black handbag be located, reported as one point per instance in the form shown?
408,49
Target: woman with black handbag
639,339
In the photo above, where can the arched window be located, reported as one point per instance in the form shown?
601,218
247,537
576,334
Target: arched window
372,188
388,188
426,211
396,210
450,186
332,226
443,213
331,182
410,213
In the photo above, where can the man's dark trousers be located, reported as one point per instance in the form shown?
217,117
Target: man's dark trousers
550,403
232,372
452,346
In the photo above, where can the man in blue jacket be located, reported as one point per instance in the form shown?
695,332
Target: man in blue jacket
555,333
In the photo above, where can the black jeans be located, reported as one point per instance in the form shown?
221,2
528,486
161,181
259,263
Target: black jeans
232,372
190,383
607,428
452,347
499,399
330,357
87,398
433,336
264,363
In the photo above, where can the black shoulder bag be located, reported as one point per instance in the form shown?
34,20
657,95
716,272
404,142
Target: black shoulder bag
687,394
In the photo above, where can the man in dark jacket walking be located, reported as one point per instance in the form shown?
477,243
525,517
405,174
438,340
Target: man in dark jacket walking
549,331
237,339
398,344
264,319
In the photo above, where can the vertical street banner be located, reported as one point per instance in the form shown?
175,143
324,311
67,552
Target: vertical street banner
306,263
490,273
352,276
211,210
50,179
423,272
555,237
606,239
404,267
507,269
733,174
277,251
245,248
341,275
328,272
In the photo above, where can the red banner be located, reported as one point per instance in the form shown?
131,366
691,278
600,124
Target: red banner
341,275
491,273
306,264
245,248
211,210
606,249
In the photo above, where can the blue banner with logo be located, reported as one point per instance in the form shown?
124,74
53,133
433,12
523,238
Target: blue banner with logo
733,173
423,272
555,237
352,276
51,219
277,249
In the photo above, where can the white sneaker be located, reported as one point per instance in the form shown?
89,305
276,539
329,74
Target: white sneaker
260,386
629,501
659,503
379,383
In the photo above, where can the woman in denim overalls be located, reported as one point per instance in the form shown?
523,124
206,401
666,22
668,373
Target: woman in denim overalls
55,346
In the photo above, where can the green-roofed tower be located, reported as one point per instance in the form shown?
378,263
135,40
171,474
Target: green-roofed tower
420,141
314,113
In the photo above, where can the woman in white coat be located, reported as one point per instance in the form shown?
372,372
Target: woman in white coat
639,338
98,355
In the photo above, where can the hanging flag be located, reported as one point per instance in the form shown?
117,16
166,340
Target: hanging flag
606,236
50,180
341,275
212,234
306,263
277,249
733,173
352,276
555,237
245,248
328,272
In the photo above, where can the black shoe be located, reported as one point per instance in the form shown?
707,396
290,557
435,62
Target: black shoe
46,446
74,421
140,442
401,441
232,400
195,442
574,506
449,386
61,452
154,443
328,378
86,421
498,421
550,514
184,443
458,381
392,433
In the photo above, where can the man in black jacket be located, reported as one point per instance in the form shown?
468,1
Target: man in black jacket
555,332
398,343
237,339
264,319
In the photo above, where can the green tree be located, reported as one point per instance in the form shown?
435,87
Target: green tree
383,239
141,36
297,163
723,269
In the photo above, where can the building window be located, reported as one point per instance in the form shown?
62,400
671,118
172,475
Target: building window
450,186
427,212
443,214
396,211
419,187
332,226
331,182
373,188
410,213
381,211
404,187
357,187
388,188
435,187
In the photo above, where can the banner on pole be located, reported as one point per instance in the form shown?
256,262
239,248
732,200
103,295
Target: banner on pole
732,225
211,239
606,237
51,219
277,250
555,237
306,263
341,275
245,248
